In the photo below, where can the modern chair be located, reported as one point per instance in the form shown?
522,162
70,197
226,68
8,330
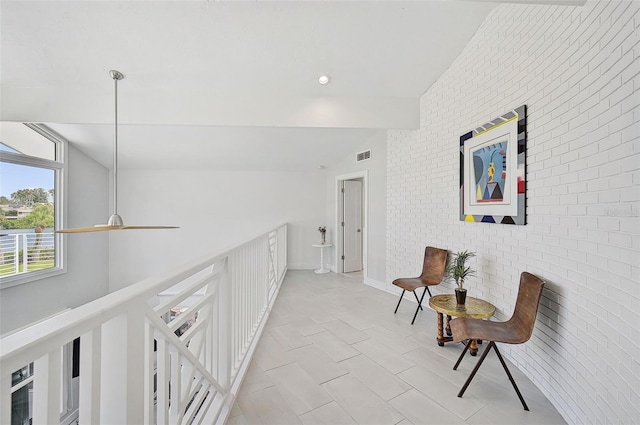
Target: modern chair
435,262
516,330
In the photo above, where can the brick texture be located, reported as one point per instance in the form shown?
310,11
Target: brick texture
578,71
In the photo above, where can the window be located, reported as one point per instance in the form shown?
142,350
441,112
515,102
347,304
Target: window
31,198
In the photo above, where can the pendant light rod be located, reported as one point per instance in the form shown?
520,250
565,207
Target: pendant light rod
115,219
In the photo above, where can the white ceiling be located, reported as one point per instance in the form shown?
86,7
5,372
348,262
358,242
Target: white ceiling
226,84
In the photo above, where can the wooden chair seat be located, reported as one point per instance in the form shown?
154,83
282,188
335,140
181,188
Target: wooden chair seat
433,268
466,328
412,283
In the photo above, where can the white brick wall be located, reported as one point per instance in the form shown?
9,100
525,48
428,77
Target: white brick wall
578,71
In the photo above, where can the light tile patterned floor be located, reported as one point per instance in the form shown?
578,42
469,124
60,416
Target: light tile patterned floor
334,353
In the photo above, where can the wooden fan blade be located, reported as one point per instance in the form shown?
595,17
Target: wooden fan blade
104,228
89,229
148,227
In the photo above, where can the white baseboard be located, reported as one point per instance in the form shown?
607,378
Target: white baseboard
391,289
301,266
379,285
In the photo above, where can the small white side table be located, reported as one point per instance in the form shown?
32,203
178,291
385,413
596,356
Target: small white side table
322,247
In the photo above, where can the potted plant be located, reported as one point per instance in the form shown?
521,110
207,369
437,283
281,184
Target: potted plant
459,270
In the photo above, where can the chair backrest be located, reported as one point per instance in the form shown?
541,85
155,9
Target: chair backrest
526,309
435,262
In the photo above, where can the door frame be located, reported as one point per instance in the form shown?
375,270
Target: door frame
364,175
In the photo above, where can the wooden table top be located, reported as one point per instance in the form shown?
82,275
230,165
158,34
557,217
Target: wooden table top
473,307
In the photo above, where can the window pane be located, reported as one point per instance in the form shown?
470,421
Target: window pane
27,217
21,405
22,374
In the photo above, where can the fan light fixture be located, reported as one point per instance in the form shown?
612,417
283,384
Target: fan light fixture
115,221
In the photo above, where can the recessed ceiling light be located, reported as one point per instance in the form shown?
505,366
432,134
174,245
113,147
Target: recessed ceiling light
324,79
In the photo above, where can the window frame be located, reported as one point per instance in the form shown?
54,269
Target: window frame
59,166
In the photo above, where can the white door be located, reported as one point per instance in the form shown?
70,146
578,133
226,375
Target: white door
352,228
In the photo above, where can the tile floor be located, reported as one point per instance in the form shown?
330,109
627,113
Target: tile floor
334,353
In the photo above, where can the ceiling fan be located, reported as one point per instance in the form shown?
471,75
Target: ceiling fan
115,221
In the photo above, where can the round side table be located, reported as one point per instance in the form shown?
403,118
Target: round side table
473,307
322,269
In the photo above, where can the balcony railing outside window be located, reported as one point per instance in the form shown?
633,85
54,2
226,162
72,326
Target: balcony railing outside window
26,252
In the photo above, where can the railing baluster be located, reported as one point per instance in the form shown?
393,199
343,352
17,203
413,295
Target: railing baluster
163,377
262,256
122,373
25,253
149,360
90,362
5,397
243,298
252,290
210,333
175,388
249,295
16,257
243,302
46,388
233,291
225,309
257,283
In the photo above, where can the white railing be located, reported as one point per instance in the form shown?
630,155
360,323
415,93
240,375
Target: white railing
137,365
23,252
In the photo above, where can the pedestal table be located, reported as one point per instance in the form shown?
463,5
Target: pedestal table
322,269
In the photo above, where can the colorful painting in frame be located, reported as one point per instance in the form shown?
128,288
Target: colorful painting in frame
492,170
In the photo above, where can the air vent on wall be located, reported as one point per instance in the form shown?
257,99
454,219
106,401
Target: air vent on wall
363,156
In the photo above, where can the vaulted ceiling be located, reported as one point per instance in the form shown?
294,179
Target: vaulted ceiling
226,84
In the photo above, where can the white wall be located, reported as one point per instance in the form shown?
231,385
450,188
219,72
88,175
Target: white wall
215,210
87,254
578,71
377,198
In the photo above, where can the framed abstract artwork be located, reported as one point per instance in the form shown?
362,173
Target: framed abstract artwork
492,170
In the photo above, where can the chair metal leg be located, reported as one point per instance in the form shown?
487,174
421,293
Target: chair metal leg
417,300
466,347
504,365
475,369
513,382
416,295
420,302
399,301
